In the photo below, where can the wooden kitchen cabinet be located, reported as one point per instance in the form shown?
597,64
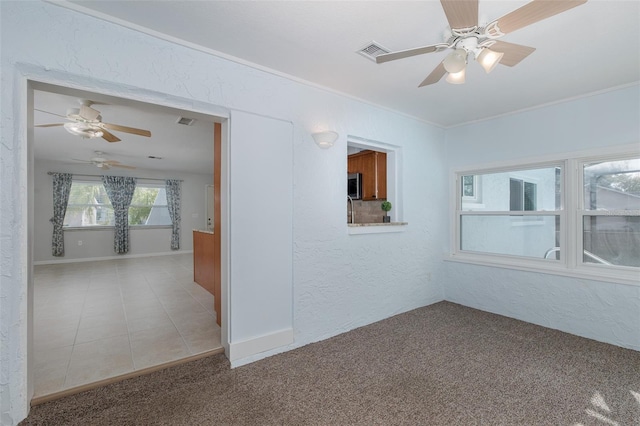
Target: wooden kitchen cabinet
373,167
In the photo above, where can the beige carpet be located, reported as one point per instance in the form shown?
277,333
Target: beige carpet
440,365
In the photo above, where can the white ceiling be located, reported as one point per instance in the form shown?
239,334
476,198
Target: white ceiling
590,48
182,148
593,47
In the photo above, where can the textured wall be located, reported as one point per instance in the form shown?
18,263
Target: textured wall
339,281
603,311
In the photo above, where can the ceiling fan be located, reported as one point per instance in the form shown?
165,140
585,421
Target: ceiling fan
87,122
469,39
102,163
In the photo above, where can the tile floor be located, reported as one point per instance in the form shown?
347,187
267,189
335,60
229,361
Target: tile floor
95,320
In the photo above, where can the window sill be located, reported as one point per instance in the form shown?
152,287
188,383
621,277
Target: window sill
592,273
375,228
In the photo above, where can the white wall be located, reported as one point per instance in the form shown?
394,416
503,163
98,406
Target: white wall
340,281
603,311
99,243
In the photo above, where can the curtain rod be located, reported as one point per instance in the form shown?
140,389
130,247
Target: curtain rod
76,174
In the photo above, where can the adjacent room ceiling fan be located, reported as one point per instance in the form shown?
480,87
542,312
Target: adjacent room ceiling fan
102,163
87,122
470,40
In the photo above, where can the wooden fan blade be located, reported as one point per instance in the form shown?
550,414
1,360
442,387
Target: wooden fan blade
109,137
122,166
532,12
513,53
125,129
82,161
435,75
461,13
89,113
386,57
49,125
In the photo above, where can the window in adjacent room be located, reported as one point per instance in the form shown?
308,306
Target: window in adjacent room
89,206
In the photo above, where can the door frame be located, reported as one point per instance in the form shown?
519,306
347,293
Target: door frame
28,81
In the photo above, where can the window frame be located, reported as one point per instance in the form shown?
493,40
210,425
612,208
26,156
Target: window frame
581,212
394,186
110,227
570,262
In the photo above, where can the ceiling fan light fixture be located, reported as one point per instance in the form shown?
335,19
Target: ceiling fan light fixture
488,59
83,130
456,77
455,61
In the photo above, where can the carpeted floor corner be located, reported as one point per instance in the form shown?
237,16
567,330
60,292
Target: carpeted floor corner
444,364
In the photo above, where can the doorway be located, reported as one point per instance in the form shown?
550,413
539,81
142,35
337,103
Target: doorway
104,306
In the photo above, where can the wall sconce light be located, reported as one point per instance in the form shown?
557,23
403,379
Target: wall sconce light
325,139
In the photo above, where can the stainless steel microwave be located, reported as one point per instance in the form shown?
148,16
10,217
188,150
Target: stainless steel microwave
354,185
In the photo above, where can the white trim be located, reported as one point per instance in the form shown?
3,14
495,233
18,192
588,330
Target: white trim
125,256
246,348
552,267
545,105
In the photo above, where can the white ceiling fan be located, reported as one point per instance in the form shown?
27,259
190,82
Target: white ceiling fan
87,122
470,40
102,163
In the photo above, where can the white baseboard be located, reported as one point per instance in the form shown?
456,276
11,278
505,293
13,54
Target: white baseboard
251,347
122,256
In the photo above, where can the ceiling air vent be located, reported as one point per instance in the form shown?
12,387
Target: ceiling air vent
371,50
186,121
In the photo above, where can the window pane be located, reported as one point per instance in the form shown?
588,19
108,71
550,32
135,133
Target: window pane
612,185
529,236
149,207
467,186
88,205
531,190
612,239
88,193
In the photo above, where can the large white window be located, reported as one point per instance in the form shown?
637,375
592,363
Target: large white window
89,206
540,217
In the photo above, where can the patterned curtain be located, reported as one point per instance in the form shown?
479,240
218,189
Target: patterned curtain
61,189
120,191
174,198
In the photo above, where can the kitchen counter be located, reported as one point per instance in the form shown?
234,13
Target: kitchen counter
203,231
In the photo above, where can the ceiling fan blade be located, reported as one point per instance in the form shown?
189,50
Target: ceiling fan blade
49,125
513,53
109,137
83,161
386,57
532,12
52,113
89,113
461,13
125,129
435,75
122,166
